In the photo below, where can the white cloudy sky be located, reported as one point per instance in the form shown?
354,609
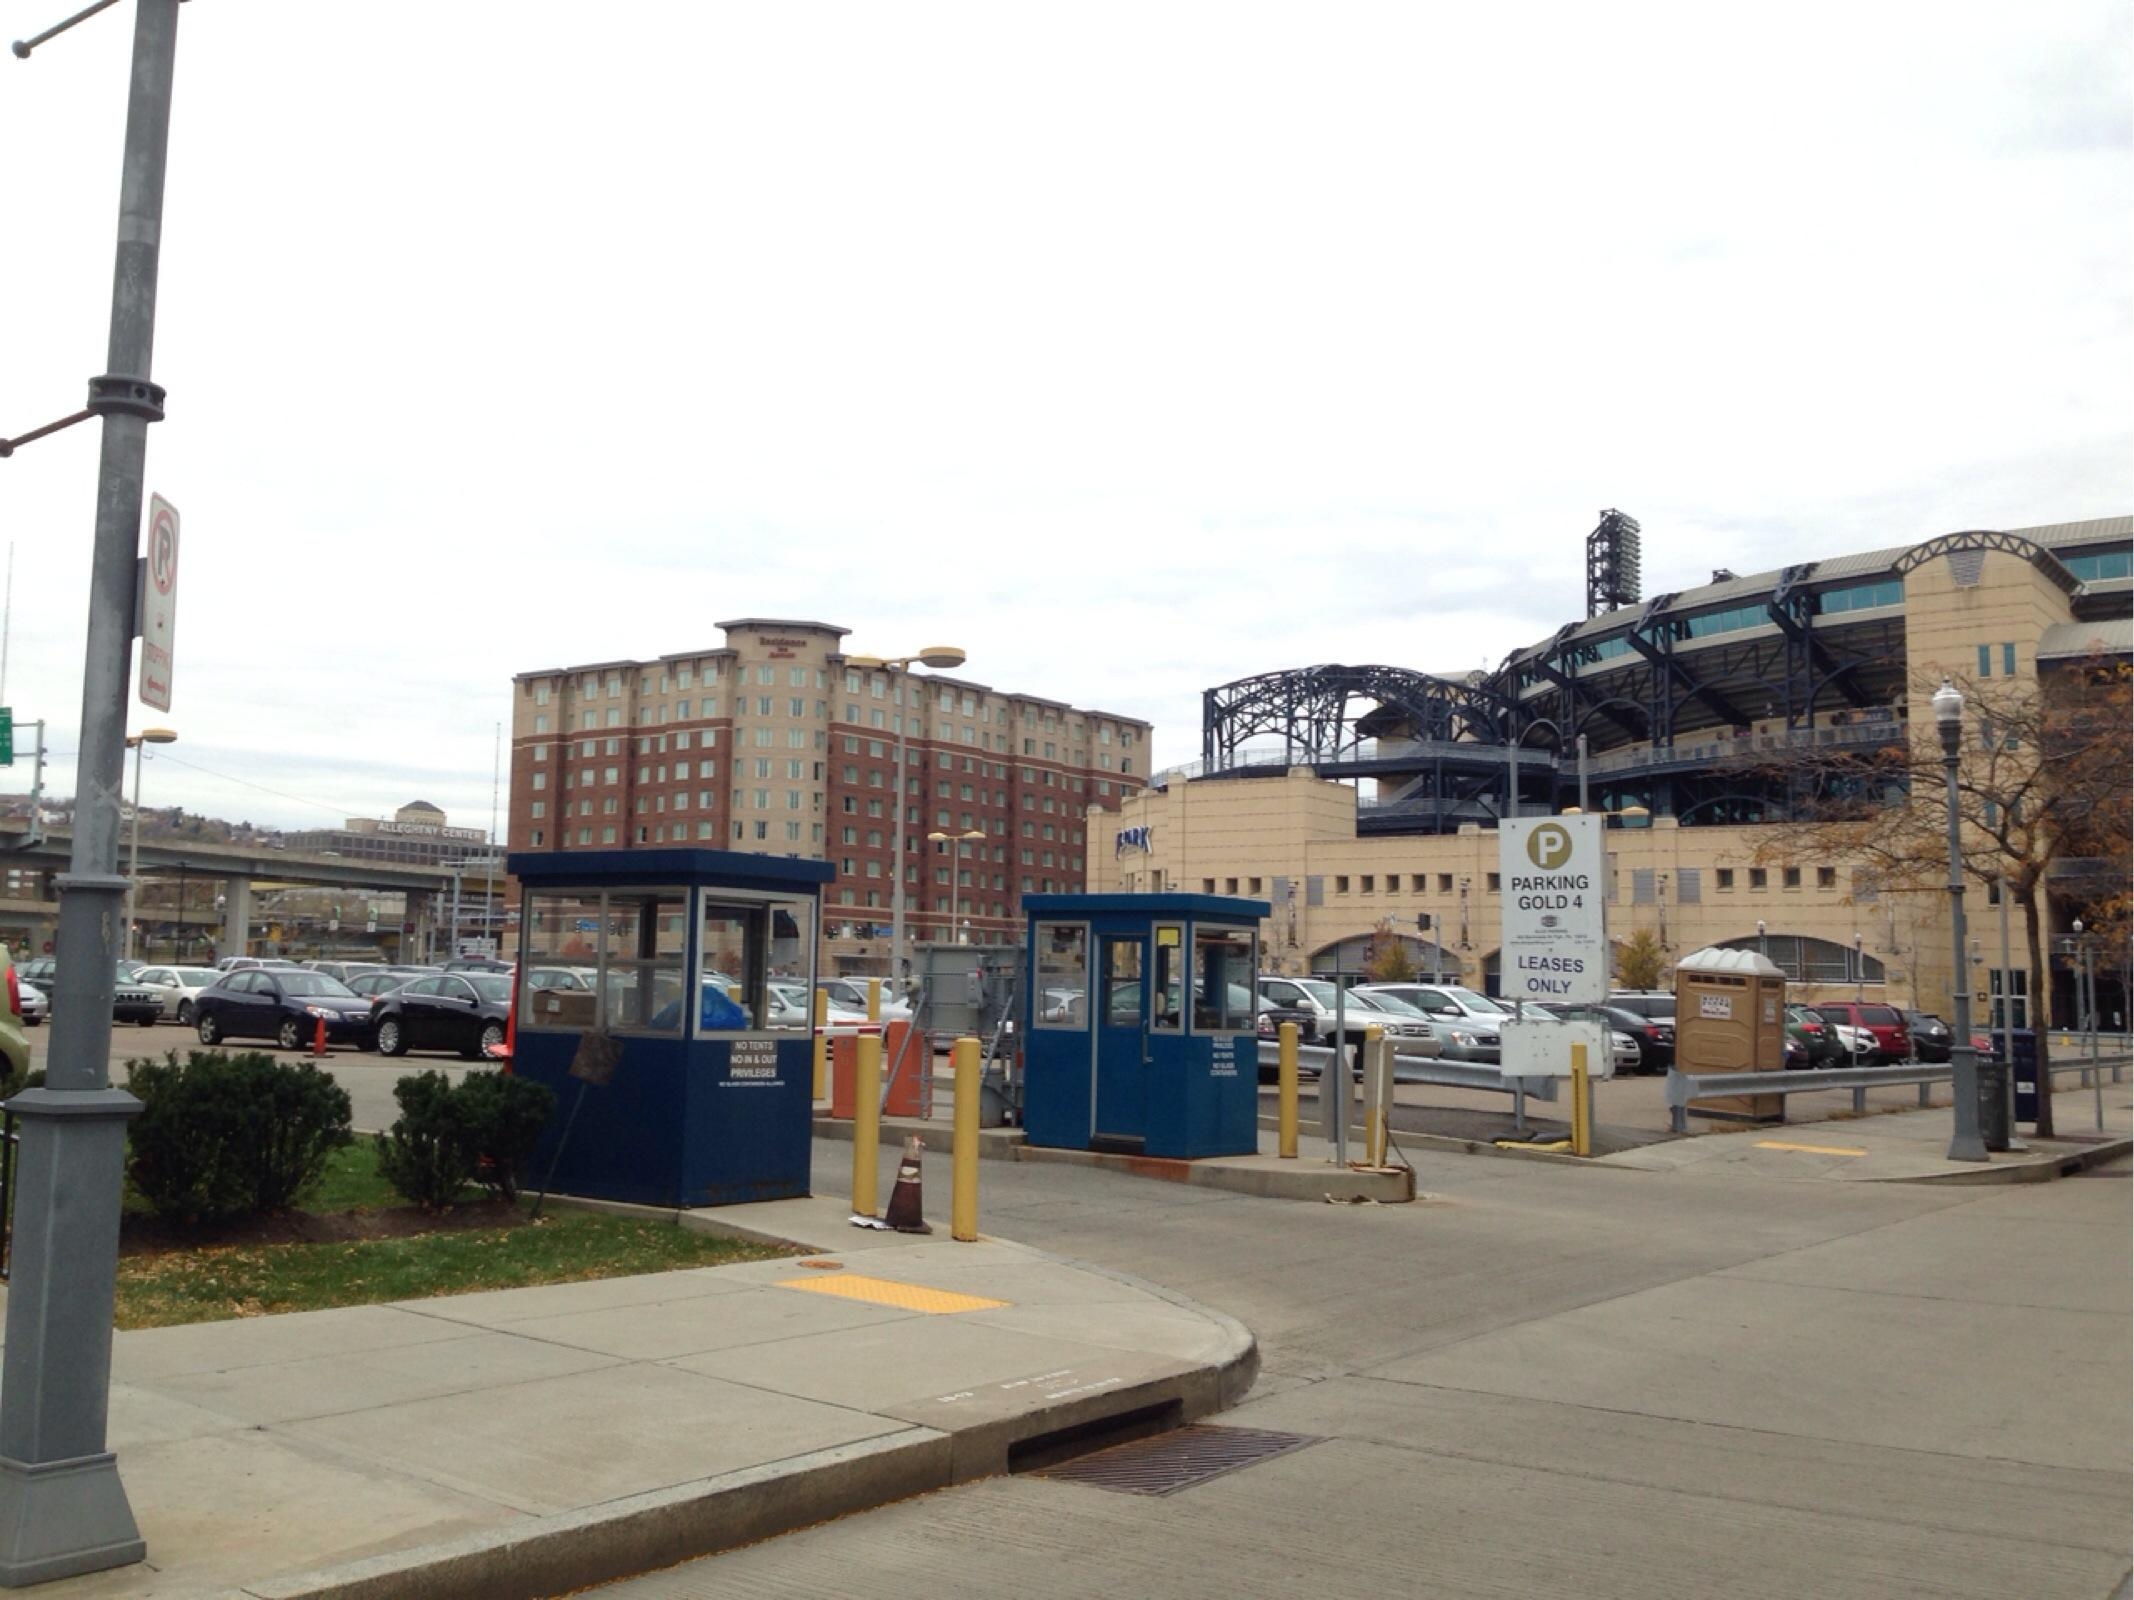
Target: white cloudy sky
1134,348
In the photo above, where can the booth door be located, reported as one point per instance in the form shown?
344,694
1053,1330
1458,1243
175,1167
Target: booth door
1121,1037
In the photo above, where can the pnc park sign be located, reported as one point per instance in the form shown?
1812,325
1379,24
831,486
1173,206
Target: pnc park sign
1553,872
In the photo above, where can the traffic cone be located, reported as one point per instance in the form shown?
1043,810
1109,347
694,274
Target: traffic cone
904,1210
318,1039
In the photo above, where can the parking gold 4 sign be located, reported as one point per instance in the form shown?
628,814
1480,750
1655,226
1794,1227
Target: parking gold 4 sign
1553,872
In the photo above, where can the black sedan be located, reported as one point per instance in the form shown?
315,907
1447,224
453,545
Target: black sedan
1931,1038
463,1011
285,1004
1654,1036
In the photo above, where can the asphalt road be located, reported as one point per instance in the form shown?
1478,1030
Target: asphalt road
1552,1381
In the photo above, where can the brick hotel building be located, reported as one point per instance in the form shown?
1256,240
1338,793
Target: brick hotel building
773,744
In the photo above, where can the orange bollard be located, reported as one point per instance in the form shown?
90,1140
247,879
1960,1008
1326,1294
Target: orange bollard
318,1038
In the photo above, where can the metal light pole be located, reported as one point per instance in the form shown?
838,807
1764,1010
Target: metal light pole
134,741
899,668
955,902
1859,973
63,1509
1763,940
1583,803
1967,1143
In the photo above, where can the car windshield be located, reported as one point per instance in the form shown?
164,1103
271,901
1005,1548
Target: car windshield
1386,1002
491,986
313,983
1318,988
197,977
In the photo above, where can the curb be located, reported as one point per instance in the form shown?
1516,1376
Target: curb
2060,1164
643,1533
1299,1180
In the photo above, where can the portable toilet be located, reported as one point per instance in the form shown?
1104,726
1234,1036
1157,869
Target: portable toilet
1730,1016
1141,1023
666,997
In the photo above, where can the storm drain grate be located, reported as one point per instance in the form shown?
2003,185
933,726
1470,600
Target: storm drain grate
1168,1462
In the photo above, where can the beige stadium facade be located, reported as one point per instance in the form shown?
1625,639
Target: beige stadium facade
1261,822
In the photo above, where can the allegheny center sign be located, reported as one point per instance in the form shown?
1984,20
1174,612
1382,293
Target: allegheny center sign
1554,893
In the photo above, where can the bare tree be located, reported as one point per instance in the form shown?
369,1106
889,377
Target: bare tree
2044,777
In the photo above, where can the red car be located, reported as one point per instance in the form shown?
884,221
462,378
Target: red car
1893,1040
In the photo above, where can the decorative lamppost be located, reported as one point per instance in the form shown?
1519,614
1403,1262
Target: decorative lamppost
899,668
955,914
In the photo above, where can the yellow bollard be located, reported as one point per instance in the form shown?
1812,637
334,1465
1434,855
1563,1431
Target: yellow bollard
822,1045
1581,1125
963,1159
1374,1114
1286,1092
866,1125
874,999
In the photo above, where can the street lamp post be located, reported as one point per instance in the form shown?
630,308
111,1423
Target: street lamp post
955,888
1859,972
899,668
134,741
1967,1143
1763,940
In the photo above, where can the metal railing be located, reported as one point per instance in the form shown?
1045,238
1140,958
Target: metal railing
1683,1087
1426,1070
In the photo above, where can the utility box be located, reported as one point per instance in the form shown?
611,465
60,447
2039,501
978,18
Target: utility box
649,982
967,988
1730,1016
1140,1014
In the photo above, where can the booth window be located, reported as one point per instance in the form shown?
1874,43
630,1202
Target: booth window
1062,975
1167,988
1225,965
1122,983
756,964
604,960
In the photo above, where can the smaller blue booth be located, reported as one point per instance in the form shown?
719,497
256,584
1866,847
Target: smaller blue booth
1141,1019
702,1104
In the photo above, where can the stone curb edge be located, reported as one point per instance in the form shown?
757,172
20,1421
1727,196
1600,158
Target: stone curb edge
2062,1165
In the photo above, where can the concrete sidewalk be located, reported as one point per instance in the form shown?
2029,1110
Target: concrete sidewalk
1898,1147
535,1440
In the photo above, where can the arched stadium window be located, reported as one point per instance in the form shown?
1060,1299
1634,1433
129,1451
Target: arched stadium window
1804,959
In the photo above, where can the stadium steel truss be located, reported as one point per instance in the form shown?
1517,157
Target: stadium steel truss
1695,704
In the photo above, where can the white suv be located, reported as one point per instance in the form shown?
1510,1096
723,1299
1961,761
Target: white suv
1468,1024
1317,995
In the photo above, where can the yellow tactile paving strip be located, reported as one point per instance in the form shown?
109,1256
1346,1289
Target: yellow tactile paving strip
903,1296
1810,1149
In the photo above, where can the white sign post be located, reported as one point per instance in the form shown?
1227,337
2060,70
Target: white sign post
1553,876
159,603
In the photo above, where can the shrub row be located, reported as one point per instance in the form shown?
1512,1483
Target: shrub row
222,1135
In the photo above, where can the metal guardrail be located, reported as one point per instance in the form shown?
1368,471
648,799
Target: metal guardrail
1683,1087
1425,1069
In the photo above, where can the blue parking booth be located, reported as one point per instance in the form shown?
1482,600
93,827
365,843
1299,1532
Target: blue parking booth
659,1102
1141,1017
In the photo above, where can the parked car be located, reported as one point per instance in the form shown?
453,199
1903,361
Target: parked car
1817,1039
1652,1041
344,970
176,988
1397,1017
36,1006
851,994
40,970
1318,996
285,1004
463,1011
478,964
1893,1040
1467,1025
132,1001
1931,1037
14,1042
791,1008
1656,1004
1857,1043
371,984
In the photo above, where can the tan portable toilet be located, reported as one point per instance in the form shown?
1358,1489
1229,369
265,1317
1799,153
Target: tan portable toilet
1730,1016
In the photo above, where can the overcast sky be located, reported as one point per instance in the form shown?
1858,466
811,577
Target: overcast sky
1134,348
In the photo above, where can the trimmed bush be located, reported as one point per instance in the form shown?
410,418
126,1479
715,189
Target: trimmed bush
222,1135
427,1154
504,1115
483,1128
14,1084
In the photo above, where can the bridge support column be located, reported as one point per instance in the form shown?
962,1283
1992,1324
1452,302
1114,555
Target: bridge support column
236,916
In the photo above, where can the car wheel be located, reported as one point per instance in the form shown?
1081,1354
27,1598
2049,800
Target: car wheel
492,1036
210,1030
392,1041
290,1035
185,1013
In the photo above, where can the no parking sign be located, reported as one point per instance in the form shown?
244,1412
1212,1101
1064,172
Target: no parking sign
159,603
